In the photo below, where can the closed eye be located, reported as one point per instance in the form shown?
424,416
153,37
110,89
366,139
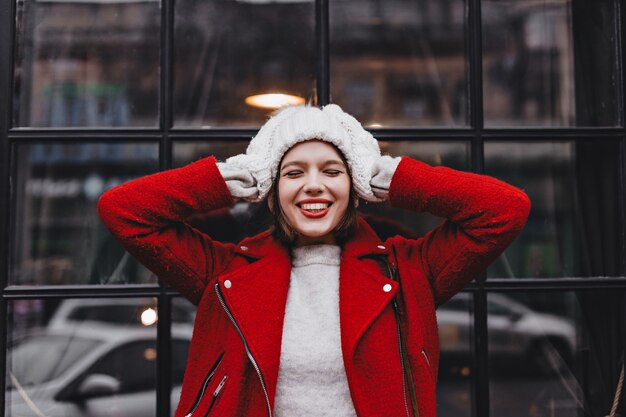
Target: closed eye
333,172
292,174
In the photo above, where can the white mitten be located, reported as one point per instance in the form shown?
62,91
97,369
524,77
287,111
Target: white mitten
260,154
382,173
239,181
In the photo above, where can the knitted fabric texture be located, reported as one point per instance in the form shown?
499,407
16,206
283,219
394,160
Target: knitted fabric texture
311,378
295,124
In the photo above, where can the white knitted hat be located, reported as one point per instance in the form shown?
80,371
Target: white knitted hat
295,124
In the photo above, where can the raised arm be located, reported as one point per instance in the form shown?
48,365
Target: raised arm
483,216
148,216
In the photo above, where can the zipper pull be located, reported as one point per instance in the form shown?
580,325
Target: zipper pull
394,271
220,386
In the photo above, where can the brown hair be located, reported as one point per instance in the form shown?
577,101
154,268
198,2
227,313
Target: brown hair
286,234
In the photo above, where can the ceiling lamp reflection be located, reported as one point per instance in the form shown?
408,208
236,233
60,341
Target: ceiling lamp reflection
273,100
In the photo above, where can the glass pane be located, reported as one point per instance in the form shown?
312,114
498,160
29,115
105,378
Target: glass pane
549,63
455,319
57,236
86,63
183,315
227,51
245,219
65,358
555,353
573,228
399,63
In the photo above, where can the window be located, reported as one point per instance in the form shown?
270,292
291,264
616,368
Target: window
98,92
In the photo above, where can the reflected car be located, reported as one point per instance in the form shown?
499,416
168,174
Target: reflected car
537,342
91,371
117,311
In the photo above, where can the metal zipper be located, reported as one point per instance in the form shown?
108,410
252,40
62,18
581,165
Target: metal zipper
245,344
404,388
393,275
204,386
215,395
220,386
426,357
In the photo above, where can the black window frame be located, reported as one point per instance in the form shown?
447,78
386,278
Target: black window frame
476,134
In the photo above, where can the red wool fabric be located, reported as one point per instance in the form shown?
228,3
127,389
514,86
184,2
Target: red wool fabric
148,215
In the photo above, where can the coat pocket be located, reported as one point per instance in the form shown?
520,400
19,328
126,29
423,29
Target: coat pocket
216,394
204,386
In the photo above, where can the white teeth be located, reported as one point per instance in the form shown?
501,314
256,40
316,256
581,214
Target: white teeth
315,206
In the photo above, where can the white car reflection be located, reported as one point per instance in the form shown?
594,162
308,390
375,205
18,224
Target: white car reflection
94,370
537,342
117,311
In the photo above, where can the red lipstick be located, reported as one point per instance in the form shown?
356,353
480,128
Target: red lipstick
316,214
311,215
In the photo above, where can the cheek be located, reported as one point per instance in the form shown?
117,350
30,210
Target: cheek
343,192
286,194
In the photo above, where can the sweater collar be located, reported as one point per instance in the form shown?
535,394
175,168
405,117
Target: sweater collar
315,255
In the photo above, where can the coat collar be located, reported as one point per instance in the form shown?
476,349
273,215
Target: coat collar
364,243
257,294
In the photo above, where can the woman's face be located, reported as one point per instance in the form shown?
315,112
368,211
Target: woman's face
313,191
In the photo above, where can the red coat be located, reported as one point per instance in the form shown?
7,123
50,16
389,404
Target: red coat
250,281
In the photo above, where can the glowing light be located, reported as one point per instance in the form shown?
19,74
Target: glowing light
375,125
150,354
273,100
149,317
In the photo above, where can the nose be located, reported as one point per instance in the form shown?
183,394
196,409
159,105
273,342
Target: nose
313,184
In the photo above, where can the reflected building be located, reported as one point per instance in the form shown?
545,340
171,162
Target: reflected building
530,92
392,64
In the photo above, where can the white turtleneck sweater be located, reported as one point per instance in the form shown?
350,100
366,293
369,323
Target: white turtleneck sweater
311,377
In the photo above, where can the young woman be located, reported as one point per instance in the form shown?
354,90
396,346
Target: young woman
303,319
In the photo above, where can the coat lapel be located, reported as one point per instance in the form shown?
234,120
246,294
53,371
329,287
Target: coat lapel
256,298
362,295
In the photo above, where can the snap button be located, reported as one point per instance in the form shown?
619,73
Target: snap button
381,247
229,284
387,287
244,248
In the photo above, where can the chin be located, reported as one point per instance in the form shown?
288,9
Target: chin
316,237
315,232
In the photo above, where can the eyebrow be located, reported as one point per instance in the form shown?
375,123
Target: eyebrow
300,163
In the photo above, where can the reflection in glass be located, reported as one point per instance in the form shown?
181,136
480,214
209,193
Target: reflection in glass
180,349
225,52
548,63
86,64
65,358
455,320
57,236
573,228
245,219
400,63
551,354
